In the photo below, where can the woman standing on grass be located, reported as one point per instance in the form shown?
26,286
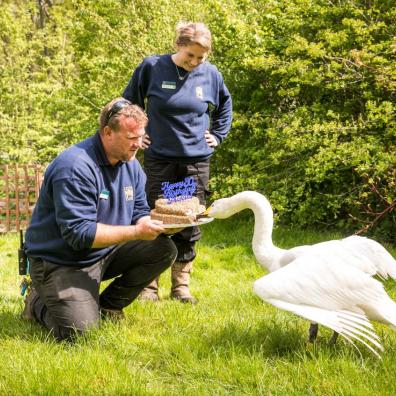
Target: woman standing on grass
190,112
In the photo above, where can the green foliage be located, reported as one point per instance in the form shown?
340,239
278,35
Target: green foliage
313,84
56,79
315,117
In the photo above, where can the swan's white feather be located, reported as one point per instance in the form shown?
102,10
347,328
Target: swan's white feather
331,319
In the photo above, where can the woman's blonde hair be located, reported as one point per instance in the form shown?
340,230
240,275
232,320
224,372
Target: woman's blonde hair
188,33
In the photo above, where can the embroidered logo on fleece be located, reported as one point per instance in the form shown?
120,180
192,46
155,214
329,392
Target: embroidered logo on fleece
199,92
128,191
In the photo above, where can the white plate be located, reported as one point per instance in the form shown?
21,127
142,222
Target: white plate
202,221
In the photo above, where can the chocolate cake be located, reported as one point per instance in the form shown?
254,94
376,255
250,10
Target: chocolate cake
178,212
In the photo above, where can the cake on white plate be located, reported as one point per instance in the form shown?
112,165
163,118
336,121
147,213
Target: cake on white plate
177,212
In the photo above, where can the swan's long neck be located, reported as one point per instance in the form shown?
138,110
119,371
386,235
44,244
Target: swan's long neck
263,248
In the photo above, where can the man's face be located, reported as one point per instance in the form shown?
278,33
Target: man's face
191,56
122,145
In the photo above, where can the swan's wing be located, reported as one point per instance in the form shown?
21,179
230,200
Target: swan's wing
323,280
290,255
362,253
379,257
327,291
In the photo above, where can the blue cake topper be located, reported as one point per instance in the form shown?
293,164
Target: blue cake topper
179,191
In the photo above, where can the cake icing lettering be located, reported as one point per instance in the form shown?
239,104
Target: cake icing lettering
179,191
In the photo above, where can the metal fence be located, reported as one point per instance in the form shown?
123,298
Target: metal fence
19,190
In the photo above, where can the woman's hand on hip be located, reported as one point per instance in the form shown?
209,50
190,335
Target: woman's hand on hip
146,142
210,139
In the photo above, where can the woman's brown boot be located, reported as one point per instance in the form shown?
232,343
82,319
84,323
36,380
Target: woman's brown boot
150,292
180,282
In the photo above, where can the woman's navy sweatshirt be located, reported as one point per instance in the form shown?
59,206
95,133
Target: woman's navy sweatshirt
180,111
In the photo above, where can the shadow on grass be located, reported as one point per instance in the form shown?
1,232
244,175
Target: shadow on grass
269,339
11,323
13,326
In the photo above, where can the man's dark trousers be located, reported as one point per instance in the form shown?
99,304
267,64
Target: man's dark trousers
69,300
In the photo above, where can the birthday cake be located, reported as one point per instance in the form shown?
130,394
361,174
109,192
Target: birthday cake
177,212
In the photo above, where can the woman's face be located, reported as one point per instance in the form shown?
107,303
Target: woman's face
190,56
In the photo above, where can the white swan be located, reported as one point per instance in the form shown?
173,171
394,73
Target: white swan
329,283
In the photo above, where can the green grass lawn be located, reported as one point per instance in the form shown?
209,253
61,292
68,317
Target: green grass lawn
231,343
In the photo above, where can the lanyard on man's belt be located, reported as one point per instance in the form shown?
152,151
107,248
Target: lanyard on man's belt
23,265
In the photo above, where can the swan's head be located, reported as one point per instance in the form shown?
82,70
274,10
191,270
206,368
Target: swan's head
220,209
226,207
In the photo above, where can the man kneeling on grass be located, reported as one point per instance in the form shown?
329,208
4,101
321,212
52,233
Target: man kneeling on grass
92,223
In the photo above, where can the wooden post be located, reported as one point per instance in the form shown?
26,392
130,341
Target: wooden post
7,199
19,191
17,211
27,195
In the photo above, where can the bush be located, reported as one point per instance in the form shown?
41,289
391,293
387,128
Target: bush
315,113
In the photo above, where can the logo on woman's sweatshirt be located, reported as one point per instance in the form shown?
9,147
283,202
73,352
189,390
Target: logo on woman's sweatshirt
199,92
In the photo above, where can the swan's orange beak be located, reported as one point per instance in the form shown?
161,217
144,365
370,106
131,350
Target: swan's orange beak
205,213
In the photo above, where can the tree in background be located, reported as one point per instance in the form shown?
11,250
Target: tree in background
63,60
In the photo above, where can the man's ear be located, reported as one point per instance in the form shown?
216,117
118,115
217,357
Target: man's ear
107,131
